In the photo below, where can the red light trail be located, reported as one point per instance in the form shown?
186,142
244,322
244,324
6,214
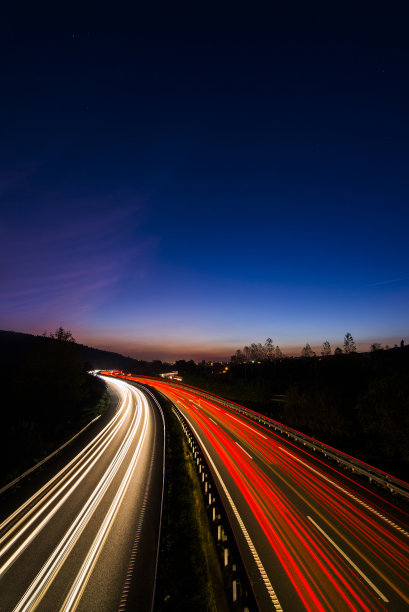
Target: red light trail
325,541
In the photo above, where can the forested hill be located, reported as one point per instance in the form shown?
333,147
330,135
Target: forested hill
47,395
15,347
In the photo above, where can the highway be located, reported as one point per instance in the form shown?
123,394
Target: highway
312,538
87,539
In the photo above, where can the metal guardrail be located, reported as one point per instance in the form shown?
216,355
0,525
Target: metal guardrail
393,484
40,463
239,588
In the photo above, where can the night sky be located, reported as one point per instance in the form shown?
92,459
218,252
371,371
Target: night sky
178,185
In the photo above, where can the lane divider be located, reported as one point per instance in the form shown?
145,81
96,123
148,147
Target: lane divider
244,451
345,556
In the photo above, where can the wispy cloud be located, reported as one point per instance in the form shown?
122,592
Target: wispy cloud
65,269
389,282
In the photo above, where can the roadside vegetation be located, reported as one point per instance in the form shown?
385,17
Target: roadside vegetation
189,576
357,402
47,396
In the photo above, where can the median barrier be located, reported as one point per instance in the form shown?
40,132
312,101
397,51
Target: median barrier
235,577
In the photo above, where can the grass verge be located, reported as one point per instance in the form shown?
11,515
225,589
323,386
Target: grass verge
189,575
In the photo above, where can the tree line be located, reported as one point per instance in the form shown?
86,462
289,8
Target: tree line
269,352
349,346
258,352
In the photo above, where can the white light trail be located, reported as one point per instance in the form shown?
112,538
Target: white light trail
76,479
44,578
73,598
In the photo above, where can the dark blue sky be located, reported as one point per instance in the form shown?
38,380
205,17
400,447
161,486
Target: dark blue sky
179,185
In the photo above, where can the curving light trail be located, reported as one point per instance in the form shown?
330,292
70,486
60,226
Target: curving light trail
70,519
323,541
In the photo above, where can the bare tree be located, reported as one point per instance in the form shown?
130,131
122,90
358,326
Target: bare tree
326,349
269,349
307,351
349,344
256,351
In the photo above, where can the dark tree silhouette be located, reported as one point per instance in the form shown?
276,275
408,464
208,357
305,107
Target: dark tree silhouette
307,351
349,344
326,349
62,335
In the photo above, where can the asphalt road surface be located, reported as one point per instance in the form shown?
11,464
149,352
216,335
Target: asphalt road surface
311,536
88,538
